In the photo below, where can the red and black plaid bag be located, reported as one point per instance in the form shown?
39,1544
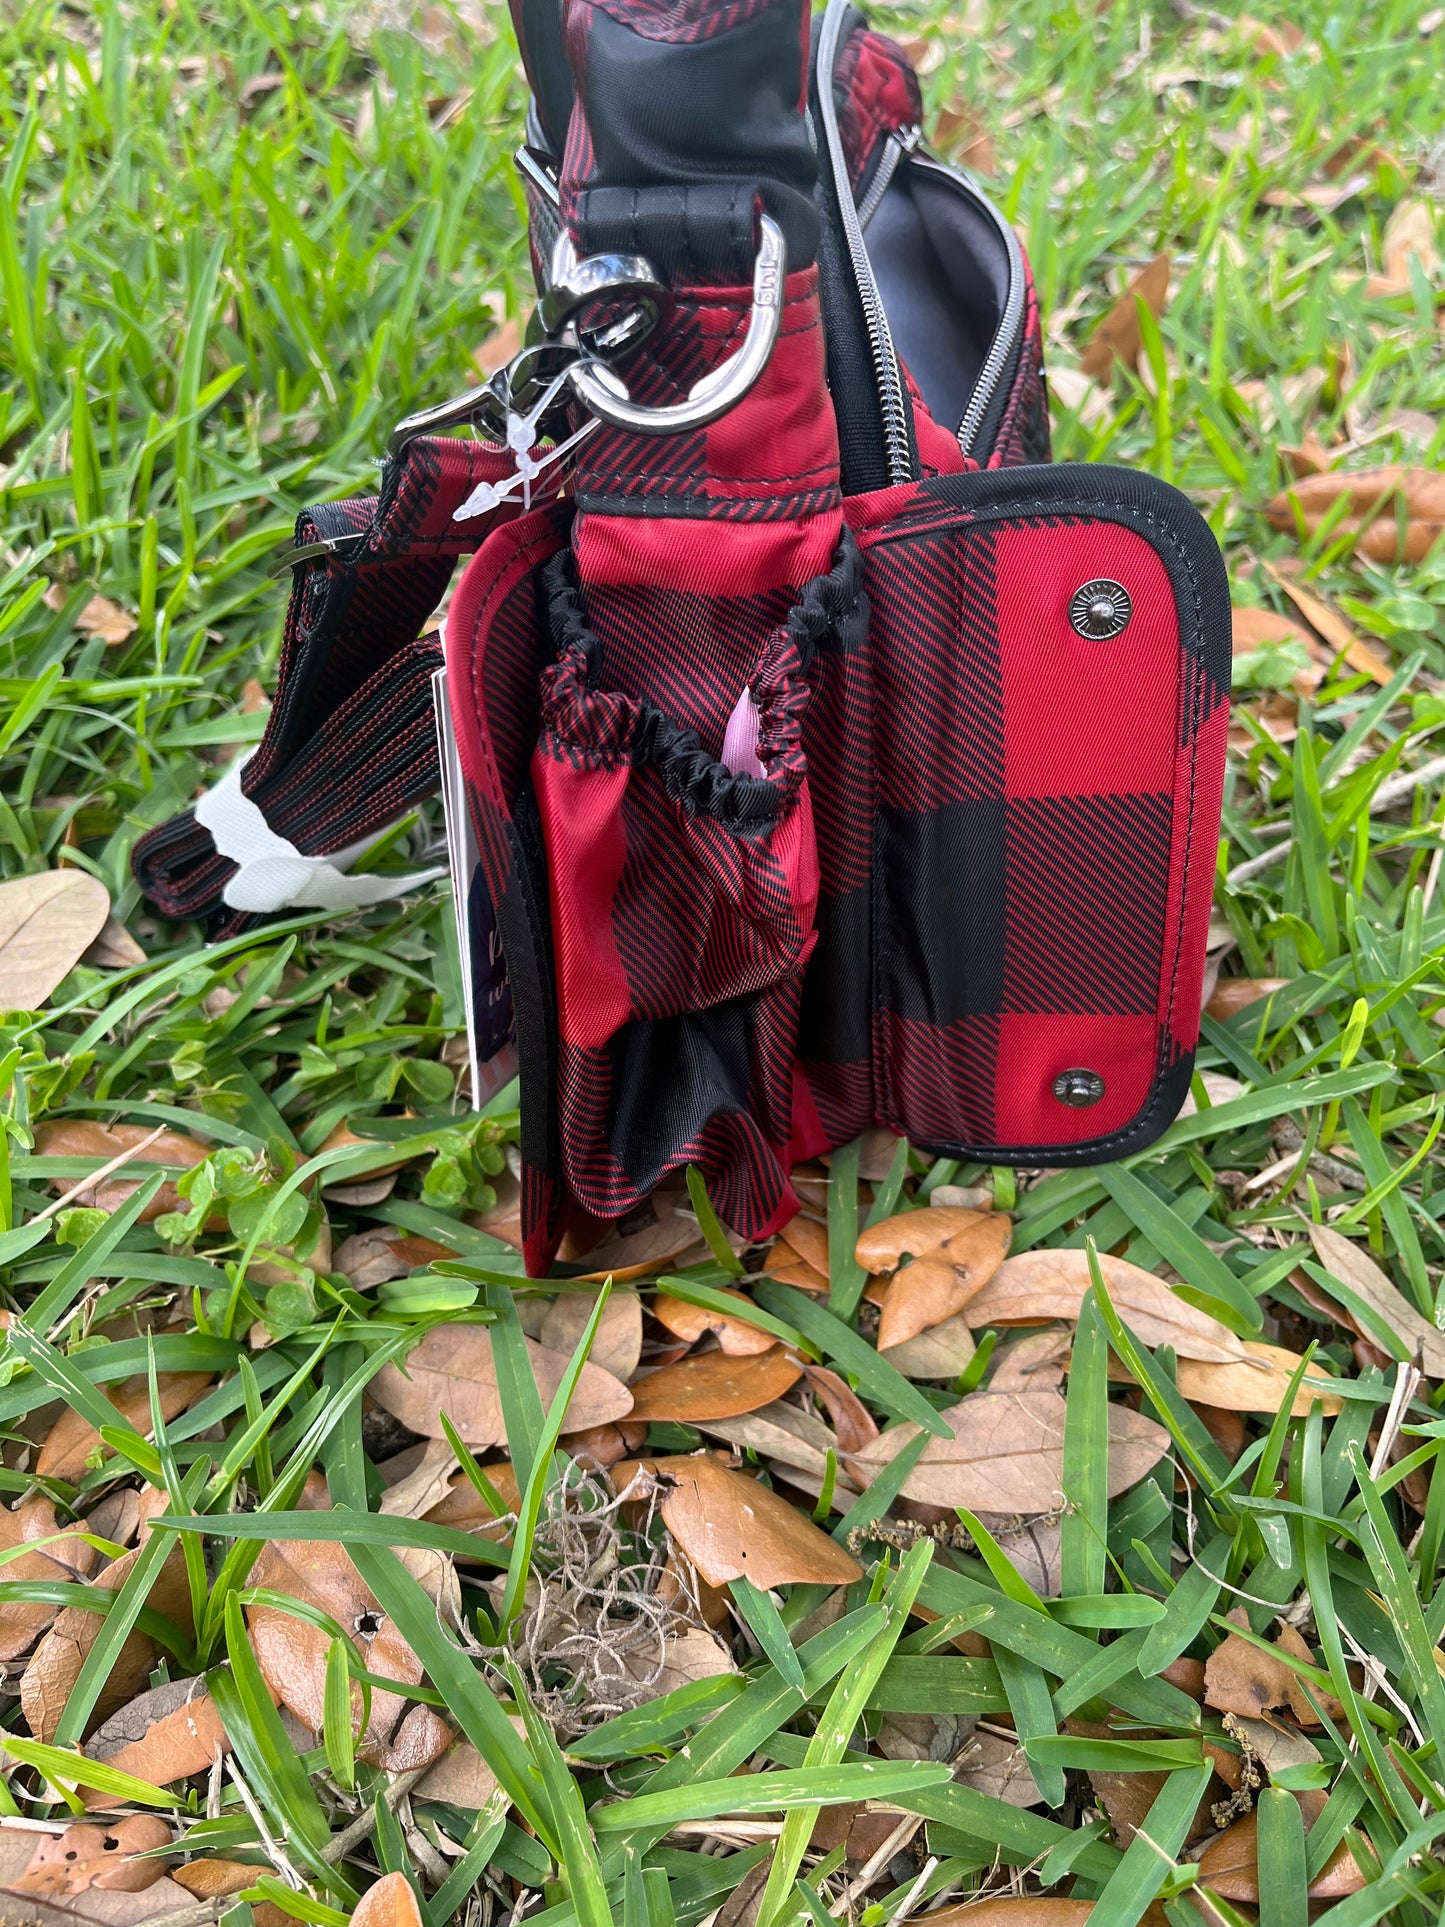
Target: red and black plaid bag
831,764
832,757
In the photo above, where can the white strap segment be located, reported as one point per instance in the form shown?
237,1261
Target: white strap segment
272,874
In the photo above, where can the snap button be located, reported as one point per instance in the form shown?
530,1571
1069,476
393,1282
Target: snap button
1078,1088
1100,610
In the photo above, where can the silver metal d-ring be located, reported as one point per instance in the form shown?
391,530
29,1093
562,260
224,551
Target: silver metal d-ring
602,391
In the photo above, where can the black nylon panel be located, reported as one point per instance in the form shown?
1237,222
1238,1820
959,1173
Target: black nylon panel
694,113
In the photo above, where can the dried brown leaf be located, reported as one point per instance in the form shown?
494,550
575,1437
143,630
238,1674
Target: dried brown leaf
1034,1363
93,1856
1409,236
342,1137
940,1352
215,1879
1230,1866
689,1322
1125,1797
389,1903
1037,1287
460,1778
22,1620
54,1666
99,617
1326,622
854,1826
465,1508
1010,1910
1117,336
499,348
80,1137
1376,497
940,1285
421,1740
618,1344
73,1438
1274,1745
1256,1383
376,1256
165,1735
1262,629
806,1277
731,1527
47,922
715,1385
114,949
292,1653
788,1438
452,1370
808,1240
1277,714
743,1904
1233,994
1279,38
1006,1453
659,1246
258,86
1000,1769
101,1907
853,1423
604,1445
686,1656
1354,1267
1319,197
1242,1678
912,1234
426,1485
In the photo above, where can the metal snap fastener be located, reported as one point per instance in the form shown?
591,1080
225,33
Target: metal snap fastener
1078,1088
1100,610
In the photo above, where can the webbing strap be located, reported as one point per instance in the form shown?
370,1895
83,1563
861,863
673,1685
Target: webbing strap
350,745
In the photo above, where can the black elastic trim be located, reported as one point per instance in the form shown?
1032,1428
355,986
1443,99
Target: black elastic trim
693,778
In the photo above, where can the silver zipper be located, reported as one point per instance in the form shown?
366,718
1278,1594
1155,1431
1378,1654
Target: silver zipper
895,146
891,396
1005,341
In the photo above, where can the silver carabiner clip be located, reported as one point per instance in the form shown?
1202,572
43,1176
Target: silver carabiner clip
604,394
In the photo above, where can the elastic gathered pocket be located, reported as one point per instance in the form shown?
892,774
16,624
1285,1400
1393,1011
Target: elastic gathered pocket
683,889
1050,662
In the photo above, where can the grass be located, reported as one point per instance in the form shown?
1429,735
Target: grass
235,245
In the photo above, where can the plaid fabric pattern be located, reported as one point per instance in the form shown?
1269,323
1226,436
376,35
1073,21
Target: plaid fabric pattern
1042,809
682,896
979,851
878,94
352,670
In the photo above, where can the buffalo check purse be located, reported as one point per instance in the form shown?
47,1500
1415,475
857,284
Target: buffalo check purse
832,757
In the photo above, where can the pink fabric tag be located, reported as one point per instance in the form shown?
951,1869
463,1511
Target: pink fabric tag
740,739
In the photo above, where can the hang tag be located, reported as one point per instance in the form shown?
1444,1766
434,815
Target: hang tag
486,993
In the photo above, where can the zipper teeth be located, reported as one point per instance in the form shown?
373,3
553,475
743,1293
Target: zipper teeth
1005,339
880,338
896,145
